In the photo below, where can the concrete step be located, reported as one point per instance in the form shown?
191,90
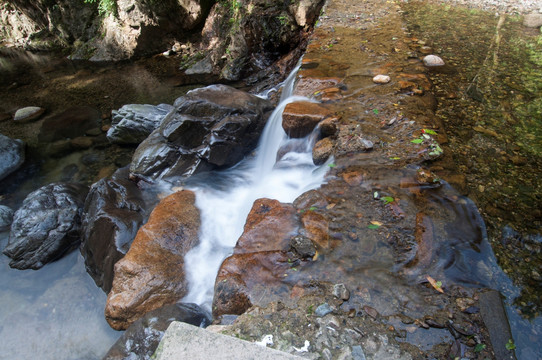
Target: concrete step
185,341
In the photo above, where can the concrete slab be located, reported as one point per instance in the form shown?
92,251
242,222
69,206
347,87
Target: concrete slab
185,341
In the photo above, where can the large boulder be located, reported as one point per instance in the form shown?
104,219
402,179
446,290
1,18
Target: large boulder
131,124
141,339
301,117
73,122
46,226
11,155
114,211
151,274
259,259
211,127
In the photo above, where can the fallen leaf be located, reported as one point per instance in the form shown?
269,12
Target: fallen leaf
437,285
377,223
417,141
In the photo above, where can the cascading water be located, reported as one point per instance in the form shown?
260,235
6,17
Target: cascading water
226,197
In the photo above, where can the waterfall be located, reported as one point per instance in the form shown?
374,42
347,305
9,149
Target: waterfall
225,198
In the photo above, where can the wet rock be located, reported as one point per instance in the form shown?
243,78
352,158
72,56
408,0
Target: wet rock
316,228
341,292
141,338
322,150
244,279
6,217
151,274
46,226
323,310
310,198
301,117
269,227
131,124
381,79
496,321
74,122
432,60
210,127
114,210
204,66
532,20
303,246
58,148
28,114
306,11
351,140
81,142
12,155
328,127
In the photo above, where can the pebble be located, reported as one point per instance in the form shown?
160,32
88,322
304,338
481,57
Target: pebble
341,292
28,113
323,310
357,353
532,20
381,79
433,60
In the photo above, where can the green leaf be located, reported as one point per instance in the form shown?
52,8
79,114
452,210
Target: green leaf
312,208
395,158
479,347
438,284
429,131
332,165
376,111
373,226
510,345
417,141
387,199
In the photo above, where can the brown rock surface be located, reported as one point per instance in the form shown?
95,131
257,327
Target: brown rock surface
301,117
151,274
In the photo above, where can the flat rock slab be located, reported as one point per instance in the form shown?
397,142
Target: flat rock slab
184,341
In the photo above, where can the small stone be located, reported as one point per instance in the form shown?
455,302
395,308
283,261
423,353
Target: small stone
426,50
303,246
532,20
381,79
323,310
81,142
370,311
341,292
28,113
357,353
367,144
432,60
518,160
481,188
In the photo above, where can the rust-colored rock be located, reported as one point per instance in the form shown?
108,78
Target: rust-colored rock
243,279
321,151
328,126
269,226
353,178
316,228
420,80
301,117
151,274
424,239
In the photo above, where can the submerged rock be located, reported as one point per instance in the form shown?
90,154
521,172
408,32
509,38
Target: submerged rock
6,217
141,339
131,124
151,274
210,127
11,155
433,60
74,122
114,211
46,226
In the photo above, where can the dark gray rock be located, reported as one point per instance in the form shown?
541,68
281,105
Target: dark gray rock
131,124
46,226
141,339
494,316
210,127
11,155
303,246
323,310
114,211
6,217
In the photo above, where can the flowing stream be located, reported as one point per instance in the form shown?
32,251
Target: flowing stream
225,198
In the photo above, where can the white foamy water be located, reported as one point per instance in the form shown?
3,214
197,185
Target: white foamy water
225,198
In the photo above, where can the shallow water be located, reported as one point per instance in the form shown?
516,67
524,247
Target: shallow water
53,313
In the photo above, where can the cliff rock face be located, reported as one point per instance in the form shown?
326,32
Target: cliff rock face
230,39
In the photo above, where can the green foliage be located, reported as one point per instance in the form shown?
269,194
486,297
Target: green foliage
510,345
105,7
